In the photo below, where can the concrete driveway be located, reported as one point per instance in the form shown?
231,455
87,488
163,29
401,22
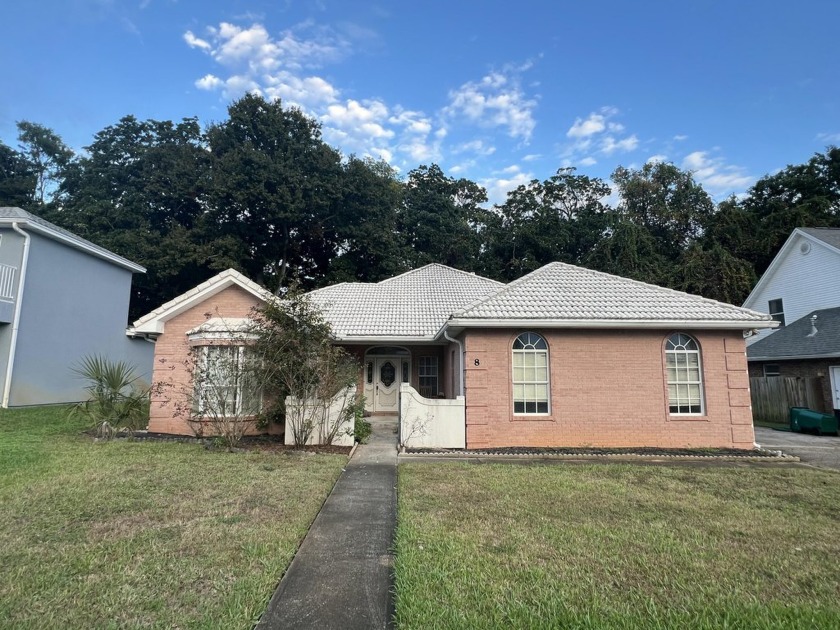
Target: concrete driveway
817,450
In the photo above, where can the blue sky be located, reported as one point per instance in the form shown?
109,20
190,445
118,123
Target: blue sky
499,92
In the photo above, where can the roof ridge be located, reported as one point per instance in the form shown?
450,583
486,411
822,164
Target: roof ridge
442,266
660,288
593,272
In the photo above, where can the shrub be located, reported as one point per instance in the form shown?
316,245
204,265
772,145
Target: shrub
117,400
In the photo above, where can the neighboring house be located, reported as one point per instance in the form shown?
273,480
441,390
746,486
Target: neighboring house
808,347
803,277
61,298
564,356
802,281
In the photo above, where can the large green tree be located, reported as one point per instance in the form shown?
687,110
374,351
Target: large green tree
48,157
441,219
559,219
275,190
17,178
139,192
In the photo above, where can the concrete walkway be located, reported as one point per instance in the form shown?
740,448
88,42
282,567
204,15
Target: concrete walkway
817,450
341,576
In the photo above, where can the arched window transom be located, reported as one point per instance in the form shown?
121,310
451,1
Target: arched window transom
685,375
530,374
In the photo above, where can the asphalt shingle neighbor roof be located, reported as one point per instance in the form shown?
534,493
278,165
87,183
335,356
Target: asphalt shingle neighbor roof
415,304
10,215
830,236
793,341
560,291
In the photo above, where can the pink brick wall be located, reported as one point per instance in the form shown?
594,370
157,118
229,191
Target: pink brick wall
607,389
172,351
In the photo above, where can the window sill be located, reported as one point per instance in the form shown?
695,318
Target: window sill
532,417
688,417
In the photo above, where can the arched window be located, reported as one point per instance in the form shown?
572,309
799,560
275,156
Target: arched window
685,375
530,374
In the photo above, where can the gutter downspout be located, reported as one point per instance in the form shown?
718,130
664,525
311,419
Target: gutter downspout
7,385
461,359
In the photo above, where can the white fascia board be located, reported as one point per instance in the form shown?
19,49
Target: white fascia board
93,251
611,323
177,305
351,340
798,357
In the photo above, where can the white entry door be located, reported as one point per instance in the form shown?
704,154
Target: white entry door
386,382
835,385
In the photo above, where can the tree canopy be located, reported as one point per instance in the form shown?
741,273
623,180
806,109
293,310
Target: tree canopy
262,192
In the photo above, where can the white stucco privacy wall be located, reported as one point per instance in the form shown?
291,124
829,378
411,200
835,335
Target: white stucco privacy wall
324,415
431,423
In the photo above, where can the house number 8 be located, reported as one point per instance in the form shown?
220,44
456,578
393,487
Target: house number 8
476,362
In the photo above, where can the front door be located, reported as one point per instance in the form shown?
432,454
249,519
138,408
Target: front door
835,385
386,379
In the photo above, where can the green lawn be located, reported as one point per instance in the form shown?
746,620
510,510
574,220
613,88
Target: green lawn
144,534
617,546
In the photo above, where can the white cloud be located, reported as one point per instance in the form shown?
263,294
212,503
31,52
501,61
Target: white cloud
680,138
209,82
829,137
497,100
610,145
584,128
498,187
596,134
305,92
476,147
656,159
717,177
531,157
195,42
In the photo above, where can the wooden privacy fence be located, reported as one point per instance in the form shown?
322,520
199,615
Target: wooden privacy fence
773,396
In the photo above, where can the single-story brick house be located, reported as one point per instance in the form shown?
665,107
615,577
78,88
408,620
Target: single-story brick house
564,356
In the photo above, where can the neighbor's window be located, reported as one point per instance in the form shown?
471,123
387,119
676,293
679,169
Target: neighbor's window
223,386
685,378
777,311
428,376
530,374
771,369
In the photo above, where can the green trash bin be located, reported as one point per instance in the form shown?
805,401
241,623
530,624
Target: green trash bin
804,420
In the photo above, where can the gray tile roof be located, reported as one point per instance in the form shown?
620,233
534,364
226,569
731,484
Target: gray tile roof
559,291
9,215
831,236
414,304
793,341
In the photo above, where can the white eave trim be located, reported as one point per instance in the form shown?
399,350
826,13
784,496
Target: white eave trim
611,323
796,357
383,340
99,252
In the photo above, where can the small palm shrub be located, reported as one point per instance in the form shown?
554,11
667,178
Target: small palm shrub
117,399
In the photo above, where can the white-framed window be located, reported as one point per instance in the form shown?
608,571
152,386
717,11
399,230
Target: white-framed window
685,375
223,382
776,308
530,374
427,373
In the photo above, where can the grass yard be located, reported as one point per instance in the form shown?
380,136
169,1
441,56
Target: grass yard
144,534
617,546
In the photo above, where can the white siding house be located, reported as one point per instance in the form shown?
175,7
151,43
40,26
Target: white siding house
803,277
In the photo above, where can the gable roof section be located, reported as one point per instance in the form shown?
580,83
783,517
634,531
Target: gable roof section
10,215
410,307
563,295
793,341
828,238
153,323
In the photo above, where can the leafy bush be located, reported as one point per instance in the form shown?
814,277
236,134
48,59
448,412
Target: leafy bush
117,399
361,427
